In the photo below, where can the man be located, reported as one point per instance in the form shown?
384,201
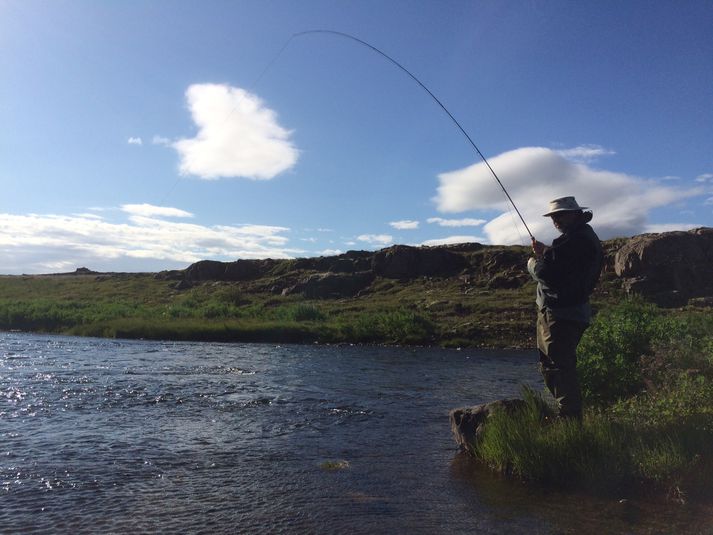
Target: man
566,274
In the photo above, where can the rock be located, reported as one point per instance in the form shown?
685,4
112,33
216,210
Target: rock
504,268
170,275
205,270
467,423
331,285
182,285
406,262
668,268
240,270
702,302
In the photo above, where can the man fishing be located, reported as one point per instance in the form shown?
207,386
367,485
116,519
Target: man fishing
566,273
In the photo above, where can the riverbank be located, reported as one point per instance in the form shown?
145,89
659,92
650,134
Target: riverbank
647,381
466,295
463,296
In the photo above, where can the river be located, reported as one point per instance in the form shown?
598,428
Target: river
115,436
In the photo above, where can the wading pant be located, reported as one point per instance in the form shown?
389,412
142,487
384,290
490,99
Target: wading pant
557,341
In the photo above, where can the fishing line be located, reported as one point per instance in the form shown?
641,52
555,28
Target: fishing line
413,77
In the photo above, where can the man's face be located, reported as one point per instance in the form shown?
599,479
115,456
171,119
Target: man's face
564,220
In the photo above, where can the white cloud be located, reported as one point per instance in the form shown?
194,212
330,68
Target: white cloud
331,252
42,243
668,227
533,176
405,224
705,177
585,153
237,136
376,239
160,140
149,210
467,222
450,240
135,141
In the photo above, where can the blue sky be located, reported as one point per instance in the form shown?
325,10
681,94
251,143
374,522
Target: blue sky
146,135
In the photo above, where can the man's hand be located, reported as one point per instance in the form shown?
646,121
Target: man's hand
538,247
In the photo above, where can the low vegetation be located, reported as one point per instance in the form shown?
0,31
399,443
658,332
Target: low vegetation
423,311
647,377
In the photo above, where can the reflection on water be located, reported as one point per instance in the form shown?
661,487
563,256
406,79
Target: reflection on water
130,436
552,511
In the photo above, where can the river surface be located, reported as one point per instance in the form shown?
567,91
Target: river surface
108,436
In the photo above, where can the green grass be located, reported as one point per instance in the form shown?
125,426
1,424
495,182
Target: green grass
421,311
602,454
648,422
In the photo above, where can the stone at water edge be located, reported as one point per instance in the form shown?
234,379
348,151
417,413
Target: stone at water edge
468,423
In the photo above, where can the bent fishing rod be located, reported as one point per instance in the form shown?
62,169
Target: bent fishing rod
413,77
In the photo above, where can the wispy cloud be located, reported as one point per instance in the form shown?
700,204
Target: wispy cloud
706,177
405,224
331,252
149,210
467,222
585,153
135,141
376,239
160,140
41,243
238,136
450,240
534,176
668,227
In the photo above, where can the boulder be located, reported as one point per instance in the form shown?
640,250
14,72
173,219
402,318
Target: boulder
668,268
504,268
240,270
331,285
468,423
406,262
205,270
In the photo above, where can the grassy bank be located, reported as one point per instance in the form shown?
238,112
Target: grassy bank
423,311
647,378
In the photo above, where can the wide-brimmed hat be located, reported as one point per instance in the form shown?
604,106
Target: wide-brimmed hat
564,204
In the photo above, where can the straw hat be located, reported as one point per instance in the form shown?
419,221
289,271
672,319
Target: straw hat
564,204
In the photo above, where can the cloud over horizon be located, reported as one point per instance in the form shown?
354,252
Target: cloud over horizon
467,222
376,239
43,243
238,136
451,240
535,175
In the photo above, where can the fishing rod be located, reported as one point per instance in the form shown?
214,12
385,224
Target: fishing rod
413,77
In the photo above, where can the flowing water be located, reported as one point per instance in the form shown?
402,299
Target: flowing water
105,436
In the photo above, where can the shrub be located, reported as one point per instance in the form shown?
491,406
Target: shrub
609,360
300,312
398,326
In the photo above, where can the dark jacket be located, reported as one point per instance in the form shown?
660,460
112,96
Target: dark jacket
569,270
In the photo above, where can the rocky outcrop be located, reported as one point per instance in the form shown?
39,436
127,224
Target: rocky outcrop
669,268
505,268
405,262
240,270
331,285
468,423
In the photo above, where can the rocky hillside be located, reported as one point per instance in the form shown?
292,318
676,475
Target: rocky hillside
670,269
